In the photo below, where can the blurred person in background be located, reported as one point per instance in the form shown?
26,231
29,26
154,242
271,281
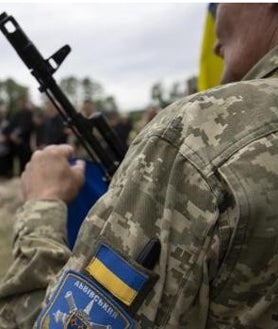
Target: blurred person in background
20,130
37,140
123,128
6,158
88,108
55,131
150,112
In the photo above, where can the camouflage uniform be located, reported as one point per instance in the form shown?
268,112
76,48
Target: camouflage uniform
203,178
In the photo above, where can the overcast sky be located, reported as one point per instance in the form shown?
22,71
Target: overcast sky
125,47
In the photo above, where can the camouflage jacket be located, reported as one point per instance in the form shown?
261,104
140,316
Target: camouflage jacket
203,178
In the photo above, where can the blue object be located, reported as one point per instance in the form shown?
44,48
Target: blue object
93,188
79,302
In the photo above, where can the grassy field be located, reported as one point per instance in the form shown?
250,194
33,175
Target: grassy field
9,201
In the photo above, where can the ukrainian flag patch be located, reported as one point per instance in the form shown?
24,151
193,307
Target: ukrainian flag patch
115,274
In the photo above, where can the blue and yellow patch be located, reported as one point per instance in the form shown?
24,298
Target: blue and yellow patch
116,275
78,302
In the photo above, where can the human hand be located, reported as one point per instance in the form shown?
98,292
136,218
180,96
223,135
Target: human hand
49,175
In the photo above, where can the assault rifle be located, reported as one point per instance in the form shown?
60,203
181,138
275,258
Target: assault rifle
95,134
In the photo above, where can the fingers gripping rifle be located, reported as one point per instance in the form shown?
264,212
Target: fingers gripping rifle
108,152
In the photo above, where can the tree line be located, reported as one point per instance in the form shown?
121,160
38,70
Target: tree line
79,89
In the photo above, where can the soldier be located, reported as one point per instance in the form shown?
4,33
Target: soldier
6,158
202,179
55,131
88,108
21,127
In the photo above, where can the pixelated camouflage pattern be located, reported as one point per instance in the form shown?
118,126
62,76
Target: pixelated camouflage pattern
40,252
203,178
10,200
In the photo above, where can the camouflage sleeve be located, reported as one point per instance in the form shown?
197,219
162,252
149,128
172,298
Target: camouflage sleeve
158,193
39,253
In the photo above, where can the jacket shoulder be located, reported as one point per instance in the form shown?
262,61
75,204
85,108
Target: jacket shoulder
211,126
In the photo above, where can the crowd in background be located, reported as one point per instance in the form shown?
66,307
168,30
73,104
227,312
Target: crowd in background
30,128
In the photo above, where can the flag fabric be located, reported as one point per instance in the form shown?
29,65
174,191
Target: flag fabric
93,188
211,66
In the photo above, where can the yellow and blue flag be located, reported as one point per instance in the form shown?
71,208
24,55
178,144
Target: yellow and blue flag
115,274
211,66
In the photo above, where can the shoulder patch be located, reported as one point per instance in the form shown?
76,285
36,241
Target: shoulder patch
80,303
115,274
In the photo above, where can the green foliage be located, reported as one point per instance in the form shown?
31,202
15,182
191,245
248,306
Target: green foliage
163,97
79,90
107,104
91,89
10,91
70,86
192,85
136,116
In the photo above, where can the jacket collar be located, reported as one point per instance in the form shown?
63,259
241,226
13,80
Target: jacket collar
265,67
